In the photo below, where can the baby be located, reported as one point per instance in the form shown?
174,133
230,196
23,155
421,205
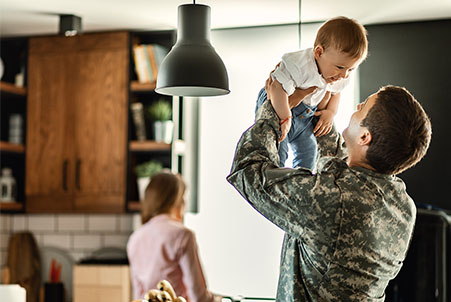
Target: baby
340,46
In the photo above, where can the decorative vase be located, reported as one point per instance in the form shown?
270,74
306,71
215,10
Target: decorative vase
7,186
163,131
143,182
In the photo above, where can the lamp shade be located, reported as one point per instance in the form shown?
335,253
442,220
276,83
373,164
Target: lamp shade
192,67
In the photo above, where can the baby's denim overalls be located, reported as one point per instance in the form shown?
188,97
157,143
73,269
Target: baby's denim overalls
300,137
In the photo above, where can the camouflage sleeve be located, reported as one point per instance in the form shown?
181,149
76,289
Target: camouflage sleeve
332,144
293,199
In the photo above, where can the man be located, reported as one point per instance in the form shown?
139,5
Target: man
348,226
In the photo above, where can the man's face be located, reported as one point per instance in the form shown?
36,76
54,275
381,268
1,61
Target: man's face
354,130
333,64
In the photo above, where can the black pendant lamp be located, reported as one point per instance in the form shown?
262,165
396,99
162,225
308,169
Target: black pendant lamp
192,67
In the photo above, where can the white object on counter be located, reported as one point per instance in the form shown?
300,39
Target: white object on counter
12,293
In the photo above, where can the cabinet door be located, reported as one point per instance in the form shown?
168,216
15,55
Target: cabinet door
101,126
49,164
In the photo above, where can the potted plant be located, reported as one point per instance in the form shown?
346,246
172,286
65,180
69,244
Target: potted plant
144,173
160,113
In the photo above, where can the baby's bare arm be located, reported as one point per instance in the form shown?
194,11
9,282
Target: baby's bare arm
279,100
326,113
330,102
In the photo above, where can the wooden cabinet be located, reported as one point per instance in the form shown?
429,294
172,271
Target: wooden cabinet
77,117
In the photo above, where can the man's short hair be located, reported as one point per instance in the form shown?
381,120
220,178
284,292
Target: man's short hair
345,35
400,129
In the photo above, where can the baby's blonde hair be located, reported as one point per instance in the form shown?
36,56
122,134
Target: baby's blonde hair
345,35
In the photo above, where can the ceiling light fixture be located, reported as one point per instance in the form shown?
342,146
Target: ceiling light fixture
192,67
70,25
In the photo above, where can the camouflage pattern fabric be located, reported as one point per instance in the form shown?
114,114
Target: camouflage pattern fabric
347,230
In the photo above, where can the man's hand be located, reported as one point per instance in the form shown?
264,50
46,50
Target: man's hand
299,95
294,99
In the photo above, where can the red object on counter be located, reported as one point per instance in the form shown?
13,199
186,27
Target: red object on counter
55,271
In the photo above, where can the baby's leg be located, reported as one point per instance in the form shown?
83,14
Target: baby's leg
305,148
283,152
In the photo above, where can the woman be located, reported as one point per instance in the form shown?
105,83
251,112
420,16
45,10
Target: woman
163,248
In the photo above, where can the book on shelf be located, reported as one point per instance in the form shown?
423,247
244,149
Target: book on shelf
148,58
151,63
140,64
138,120
149,68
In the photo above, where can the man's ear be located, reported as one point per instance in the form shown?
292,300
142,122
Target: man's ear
365,137
318,51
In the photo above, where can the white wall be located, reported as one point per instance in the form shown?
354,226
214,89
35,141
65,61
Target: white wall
239,248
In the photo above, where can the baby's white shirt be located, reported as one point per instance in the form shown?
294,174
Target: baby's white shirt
298,70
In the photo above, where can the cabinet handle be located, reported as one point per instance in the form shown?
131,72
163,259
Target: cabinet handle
77,174
65,164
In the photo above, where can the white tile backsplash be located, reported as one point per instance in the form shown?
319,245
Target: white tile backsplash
79,234
91,242
4,223
136,218
115,240
125,223
105,223
72,223
38,223
19,223
62,241
39,238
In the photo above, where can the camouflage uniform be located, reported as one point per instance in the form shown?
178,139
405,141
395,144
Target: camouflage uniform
347,230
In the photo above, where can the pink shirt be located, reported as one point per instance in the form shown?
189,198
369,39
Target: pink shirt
164,248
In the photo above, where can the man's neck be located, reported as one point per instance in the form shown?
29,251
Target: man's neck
357,163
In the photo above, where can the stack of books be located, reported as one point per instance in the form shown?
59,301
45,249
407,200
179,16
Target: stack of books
148,58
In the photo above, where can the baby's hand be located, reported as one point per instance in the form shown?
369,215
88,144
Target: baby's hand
285,126
324,125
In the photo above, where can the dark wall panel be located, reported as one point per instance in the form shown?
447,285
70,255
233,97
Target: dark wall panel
417,56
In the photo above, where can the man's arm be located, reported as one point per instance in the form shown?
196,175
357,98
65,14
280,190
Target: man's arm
332,145
284,196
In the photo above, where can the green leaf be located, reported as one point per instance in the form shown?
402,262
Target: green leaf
148,168
160,111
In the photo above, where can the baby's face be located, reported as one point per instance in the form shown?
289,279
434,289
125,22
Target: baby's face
333,64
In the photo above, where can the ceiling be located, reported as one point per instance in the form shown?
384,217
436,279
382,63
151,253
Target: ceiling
32,17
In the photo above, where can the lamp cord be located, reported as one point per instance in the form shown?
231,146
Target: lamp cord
299,24
194,2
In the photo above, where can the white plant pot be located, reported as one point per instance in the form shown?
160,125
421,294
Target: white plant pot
143,182
163,131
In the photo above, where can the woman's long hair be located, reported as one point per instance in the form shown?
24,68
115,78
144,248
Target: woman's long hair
162,194
24,263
